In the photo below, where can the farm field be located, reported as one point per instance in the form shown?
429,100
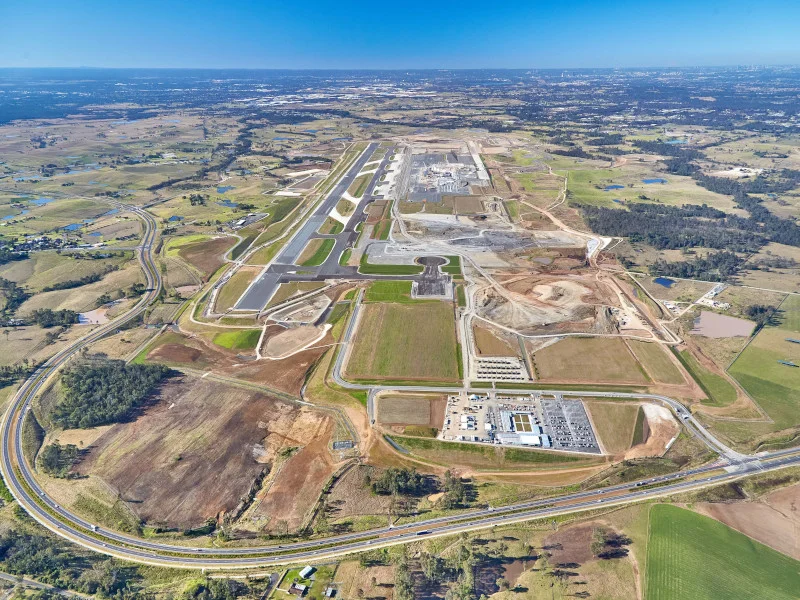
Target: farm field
50,268
693,556
590,360
589,187
775,386
389,338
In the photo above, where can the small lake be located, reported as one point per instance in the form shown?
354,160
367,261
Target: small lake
617,200
664,282
614,186
281,139
175,218
656,180
41,201
9,217
228,203
73,227
94,234
225,188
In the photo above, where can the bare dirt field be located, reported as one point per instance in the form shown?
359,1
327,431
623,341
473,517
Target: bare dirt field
291,340
773,520
411,410
662,428
194,453
293,492
540,304
286,375
489,344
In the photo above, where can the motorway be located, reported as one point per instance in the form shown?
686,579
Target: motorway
20,480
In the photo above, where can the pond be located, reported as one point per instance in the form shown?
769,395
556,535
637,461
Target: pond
614,186
655,180
9,217
225,188
41,201
175,218
664,282
228,203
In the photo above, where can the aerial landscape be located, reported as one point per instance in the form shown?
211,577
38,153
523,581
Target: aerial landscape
288,320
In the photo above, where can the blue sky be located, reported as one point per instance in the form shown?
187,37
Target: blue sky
397,34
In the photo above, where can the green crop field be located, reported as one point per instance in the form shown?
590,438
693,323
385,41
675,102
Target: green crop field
693,556
243,339
775,386
405,341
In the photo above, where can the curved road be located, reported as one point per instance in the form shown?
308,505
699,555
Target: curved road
20,480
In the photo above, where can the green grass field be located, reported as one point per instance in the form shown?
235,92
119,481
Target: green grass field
316,252
368,268
359,186
690,556
481,456
656,362
776,387
389,291
390,337
234,288
242,339
718,390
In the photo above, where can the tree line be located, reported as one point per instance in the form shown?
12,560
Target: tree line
104,392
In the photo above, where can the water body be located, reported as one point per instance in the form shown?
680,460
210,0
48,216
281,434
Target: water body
228,203
310,130
94,234
656,180
614,186
281,139
113,211
175,218
41,201
676,142
664,282
342,139
225,188
9,217
73,227
617,200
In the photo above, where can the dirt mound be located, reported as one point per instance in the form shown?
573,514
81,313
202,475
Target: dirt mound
661,427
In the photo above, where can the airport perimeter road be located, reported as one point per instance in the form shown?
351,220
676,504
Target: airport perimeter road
20,480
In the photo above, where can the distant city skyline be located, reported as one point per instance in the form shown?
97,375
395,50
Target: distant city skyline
322,34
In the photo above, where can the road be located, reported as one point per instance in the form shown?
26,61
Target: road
22,484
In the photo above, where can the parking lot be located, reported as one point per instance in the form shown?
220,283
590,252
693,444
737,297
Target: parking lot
530,421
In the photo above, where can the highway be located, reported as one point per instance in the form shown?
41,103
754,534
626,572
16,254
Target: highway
22,484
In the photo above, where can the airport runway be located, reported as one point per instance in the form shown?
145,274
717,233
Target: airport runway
284,266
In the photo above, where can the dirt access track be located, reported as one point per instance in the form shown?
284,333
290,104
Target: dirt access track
196,452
